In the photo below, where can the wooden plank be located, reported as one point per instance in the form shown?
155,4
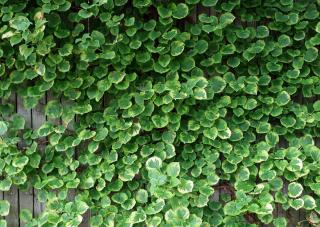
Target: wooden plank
86,216
302,213
292,217
25,196
216,195
280,211
38,118
201,9
70,126
12,196
302,217
86,219
1,192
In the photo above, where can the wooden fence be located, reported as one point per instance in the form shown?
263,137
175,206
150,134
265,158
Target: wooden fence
20,199
35,117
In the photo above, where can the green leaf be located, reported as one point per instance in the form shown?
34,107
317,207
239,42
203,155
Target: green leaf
17,77
272,138
84,13
164,60
154,163
177,48
282,98
45,129
263,127
18,122
81,207
316,106
211,133
25,215
5,184
288,121
201,46
284,41
200,93
160,121
296,203
116,77
232,209
228,49
181,11
209,3
243,174
295,189
108,55
186,186
164,12
218,84
280,222
25,50
141,196
3,223
311,54
318,27
40,69
168,137
187,64
273,67
173,169
262,32
82,108
53,109
141,3
20,23
226,19
3,128
156,177
137,217
20,162
4,207
309,202
66,50
96,221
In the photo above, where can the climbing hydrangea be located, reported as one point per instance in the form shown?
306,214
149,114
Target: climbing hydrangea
159,105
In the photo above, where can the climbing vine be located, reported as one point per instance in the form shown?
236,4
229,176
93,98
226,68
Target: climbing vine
157,105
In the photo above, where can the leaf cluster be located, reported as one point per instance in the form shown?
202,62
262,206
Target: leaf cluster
172,106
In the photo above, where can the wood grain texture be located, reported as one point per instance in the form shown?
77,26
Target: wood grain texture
38,118
1,192
25,196
216,196
12,196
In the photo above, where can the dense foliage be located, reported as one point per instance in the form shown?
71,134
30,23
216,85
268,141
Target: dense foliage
170,106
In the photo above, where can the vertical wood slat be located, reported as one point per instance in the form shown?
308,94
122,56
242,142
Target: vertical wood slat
216,195
86,219
25,196
1,192
292,216
65,103
12,196
86,216
38,118
302,212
